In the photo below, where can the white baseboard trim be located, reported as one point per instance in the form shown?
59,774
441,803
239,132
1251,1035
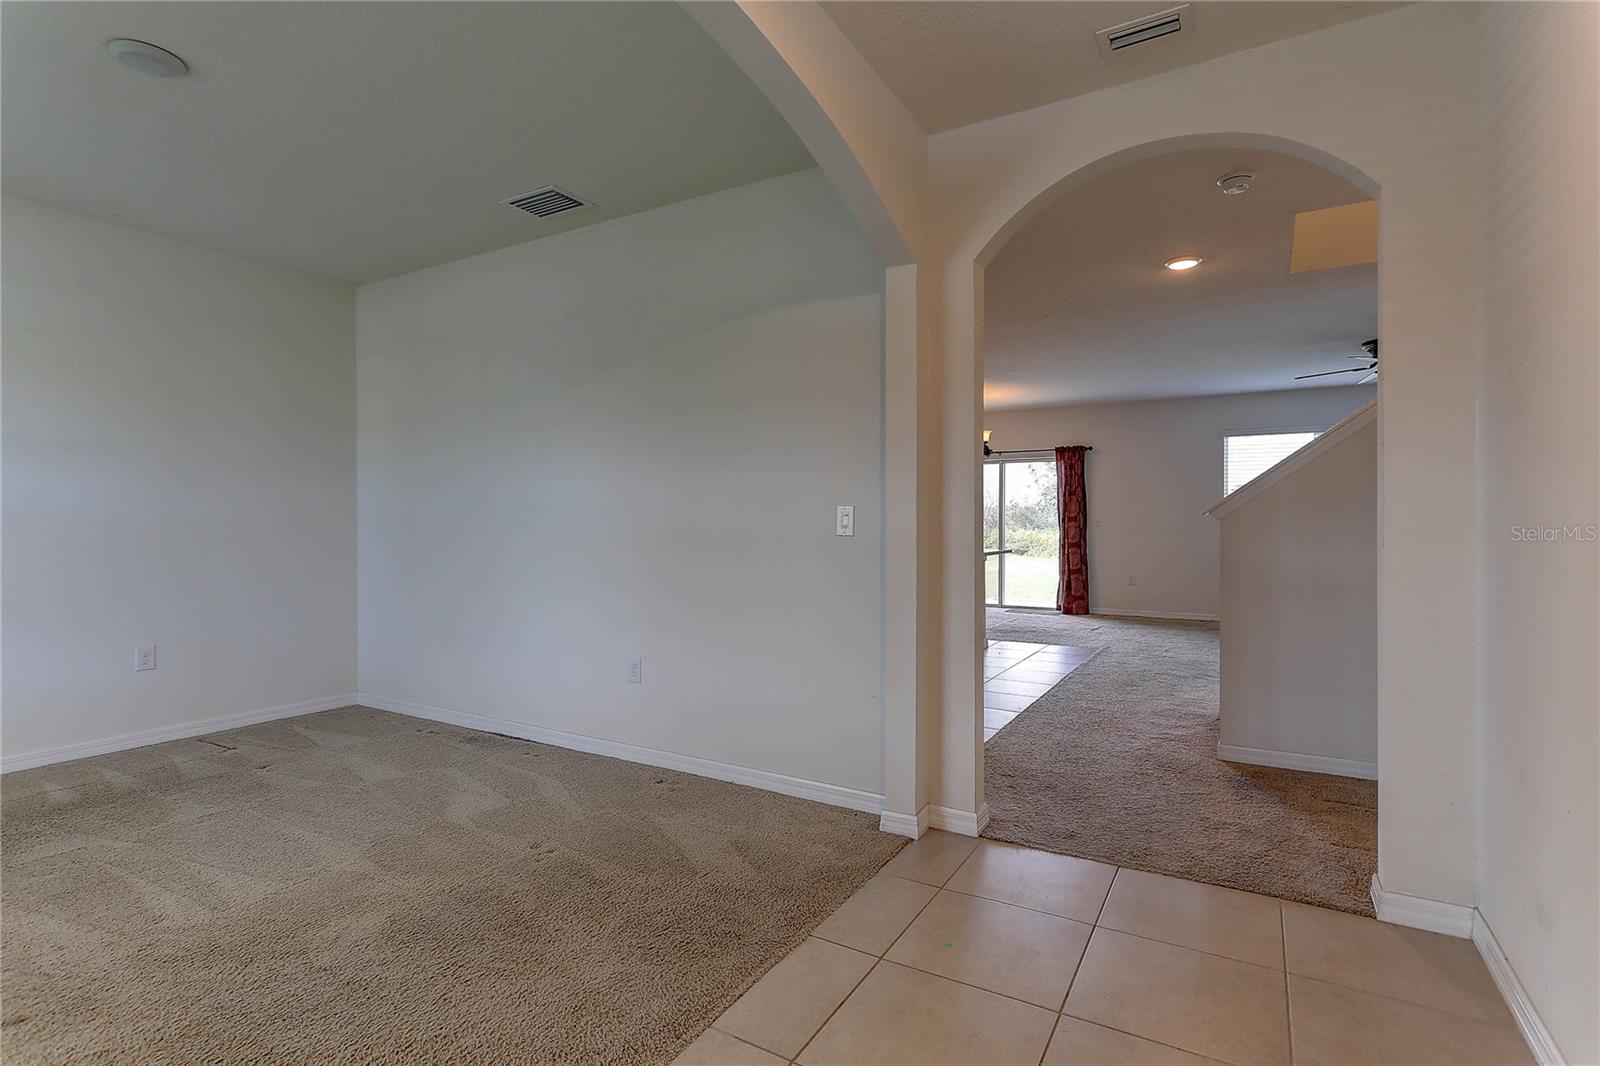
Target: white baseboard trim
1292,760
1540,1042
1454,919
905,825
821,791
1173,616
66,753
951,820
1435,916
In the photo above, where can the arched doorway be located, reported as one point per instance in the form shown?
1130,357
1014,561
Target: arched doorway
1120,762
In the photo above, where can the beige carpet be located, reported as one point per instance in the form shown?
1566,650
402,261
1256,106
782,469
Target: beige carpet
1119,762
356,886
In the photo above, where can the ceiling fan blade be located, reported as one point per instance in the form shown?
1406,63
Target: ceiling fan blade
1369,379
1326,373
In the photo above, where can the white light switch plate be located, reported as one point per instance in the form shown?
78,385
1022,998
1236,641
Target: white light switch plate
636,671
845,524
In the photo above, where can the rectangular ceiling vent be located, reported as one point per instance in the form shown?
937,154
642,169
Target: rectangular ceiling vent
545,202
1168,23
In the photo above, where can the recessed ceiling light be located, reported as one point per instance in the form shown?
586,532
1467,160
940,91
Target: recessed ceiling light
1184,262
146,58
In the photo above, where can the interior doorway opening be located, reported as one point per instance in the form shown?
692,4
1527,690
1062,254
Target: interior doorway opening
1106,734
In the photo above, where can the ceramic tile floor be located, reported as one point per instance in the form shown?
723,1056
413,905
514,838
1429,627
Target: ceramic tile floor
1015,673
969,951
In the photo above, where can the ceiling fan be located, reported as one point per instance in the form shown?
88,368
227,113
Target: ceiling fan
1370,370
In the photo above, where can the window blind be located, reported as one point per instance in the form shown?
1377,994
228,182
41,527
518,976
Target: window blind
1246,456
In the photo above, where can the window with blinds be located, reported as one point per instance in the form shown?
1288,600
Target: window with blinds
1246,456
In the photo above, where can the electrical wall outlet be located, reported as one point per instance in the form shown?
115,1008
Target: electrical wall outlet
635,671
144,658
845,521
1133,581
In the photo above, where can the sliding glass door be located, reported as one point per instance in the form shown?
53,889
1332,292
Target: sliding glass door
1021,533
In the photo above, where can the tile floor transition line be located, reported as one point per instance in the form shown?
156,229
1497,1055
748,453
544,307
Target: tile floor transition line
1034,663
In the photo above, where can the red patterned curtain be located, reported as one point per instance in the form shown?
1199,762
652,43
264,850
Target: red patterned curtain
1072,592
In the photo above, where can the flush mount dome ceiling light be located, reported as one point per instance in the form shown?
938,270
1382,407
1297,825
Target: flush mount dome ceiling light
1236,183
146,58
1183,262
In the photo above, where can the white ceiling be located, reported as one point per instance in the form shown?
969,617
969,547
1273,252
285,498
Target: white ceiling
956,62
1079,308
364,140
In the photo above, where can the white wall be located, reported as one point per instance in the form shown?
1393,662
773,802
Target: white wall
861,134
876,156
630,440
179,470
1390,102
1540,467
1155,468
1395,100
1299,607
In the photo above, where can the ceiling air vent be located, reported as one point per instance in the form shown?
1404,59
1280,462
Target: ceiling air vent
545,202
1168,23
